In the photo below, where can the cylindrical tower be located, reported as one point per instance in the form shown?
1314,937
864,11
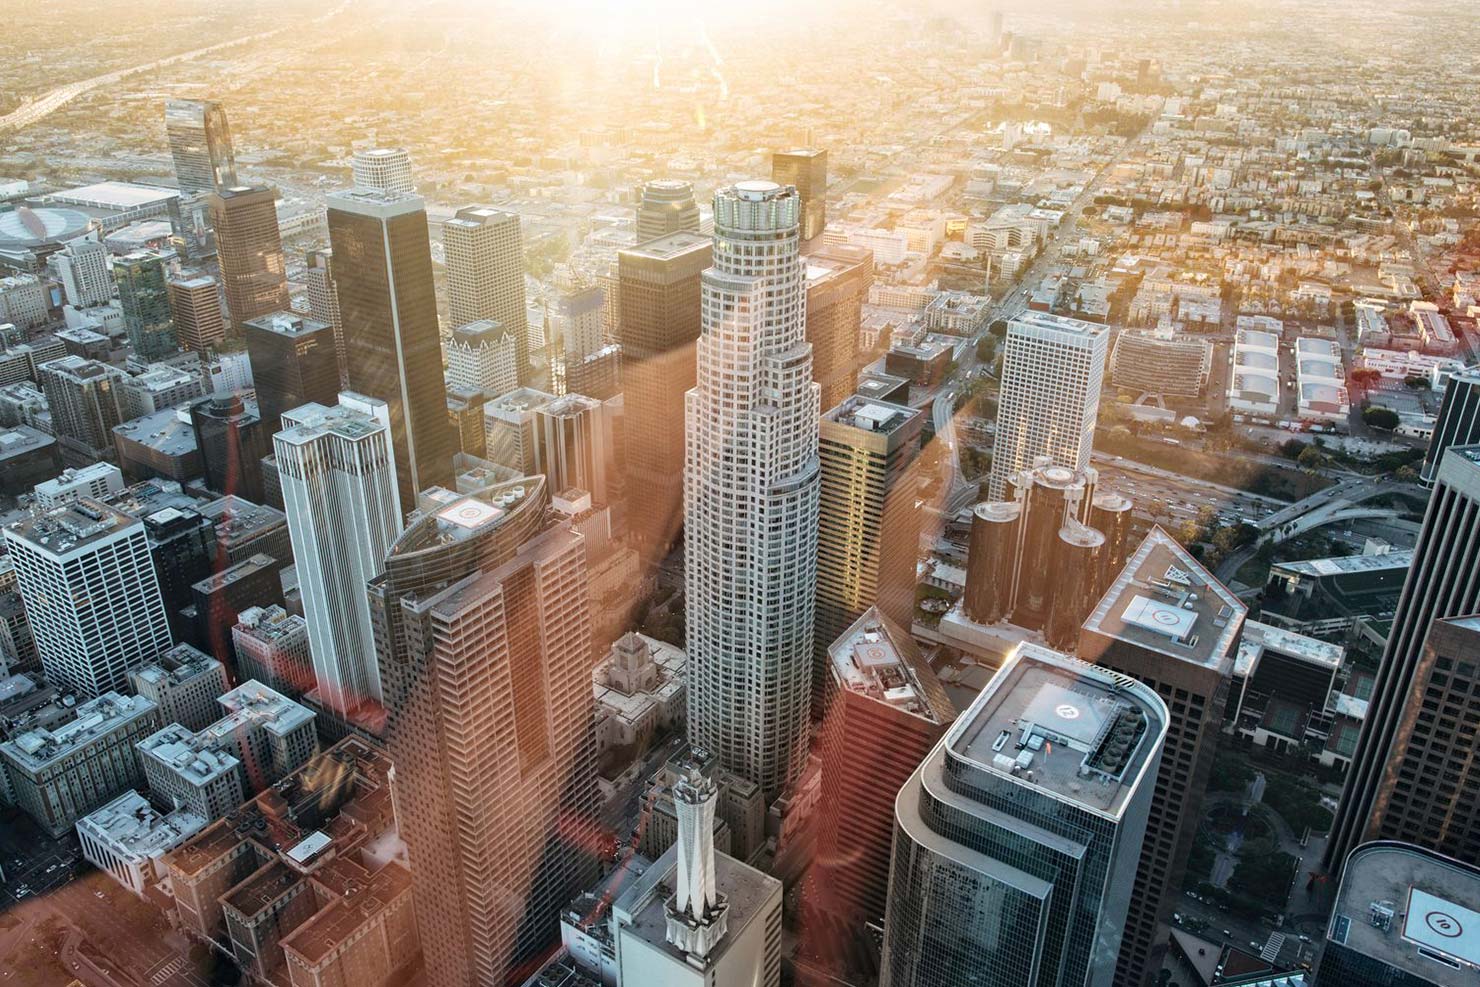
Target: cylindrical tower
1053,497
1110,514
1076,570
991,560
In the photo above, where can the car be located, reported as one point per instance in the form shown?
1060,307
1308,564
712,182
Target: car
1303,937
1227,934
1254,946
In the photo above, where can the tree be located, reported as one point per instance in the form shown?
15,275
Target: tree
1311,458
1381,418
1416,382
998,328
985,347
1263,872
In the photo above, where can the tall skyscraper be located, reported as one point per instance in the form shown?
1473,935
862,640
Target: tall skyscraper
383,271
91,595
195,306
232,441
483,633
667,206
1052,369
83,397
143,295
200,143
83,267
573,446
1016,838
323,301
1167,623
869,528
806,169
1442,583
1459,420
484,251
383,169
250,251
658,284
751,484
338,476
293,363
483,356
1404,917
838,281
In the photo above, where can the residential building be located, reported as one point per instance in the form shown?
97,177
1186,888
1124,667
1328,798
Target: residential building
484,252
83,266
83,398
23,302
143,295
250,250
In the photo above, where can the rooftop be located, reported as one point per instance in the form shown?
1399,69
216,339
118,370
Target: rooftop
672,245
178,665
1078,732
1033,319
247,567
875,658
19,439
1163,600
308,422
870,415
237,518
289,324
136,831
1349,564
114,195
1260,637
1397,902
198,758
35,749
165,431
76,525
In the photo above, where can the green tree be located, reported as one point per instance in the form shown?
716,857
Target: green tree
1381,418
1263,873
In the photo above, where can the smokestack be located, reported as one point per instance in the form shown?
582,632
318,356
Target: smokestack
697,912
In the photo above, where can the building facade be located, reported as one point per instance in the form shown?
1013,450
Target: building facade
293,363
200,144
250,251
806,170
484,250
667,206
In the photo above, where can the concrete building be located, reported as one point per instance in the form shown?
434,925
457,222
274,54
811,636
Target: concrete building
59,774
1018,834
195,307
574,446
639,690
483,356
98,481
91,595
667,206
1158,361
83,398
1167,623
392,348
383,169
220,597
244,529
28,458
1052,371
751,487
128,839
250,251
23,301
83,267
838,281
338,473
323,301
272,647
158,446
159,388
184,684
484,251
805,168
509,426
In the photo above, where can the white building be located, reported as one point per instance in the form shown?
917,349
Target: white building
91,594
639,690
1320,380
337,469
23,301
386,169
484,253
272,647
482,356
1254,385
128,839
751,487
97,481
1052,371
82,266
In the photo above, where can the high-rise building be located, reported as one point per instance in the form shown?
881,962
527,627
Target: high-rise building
484,252
383,272
90,592
658,284
483,632
1170,625
232,442
83,267
483,356
1458,423
465,416
806,169
83,398
868,526
323,301
1016,838
886,709
293,364
182,543
271,646
573,330
573,446
383,169
1441,584
195,306
1404,917
200,143
338,475
143,295
751,484
838,280
184,683
1052,369
250,251
667,206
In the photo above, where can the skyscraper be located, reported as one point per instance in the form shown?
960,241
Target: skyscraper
250,251
83,267
90,593
667,206
383,169
338,475
200,143
484,252
751,484
293,363
1052,369
195,306
868,526
483,633
1441,584
232,441
323,300
483,356
838,280
143,295
658,284
573,446
1016,838
806,169
83,398
1458,423
383,271
1167,623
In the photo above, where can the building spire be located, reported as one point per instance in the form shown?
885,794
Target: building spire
697,912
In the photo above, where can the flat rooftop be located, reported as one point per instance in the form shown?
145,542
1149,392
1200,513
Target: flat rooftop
291,325
672,245
176,666
71,527
114,195
237,518
1419,901
1165,601
165,431
1260,637
20,439
198,758
135,830
1034,319
874,658
871,415
1081,733
247,567
308,422
35,749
